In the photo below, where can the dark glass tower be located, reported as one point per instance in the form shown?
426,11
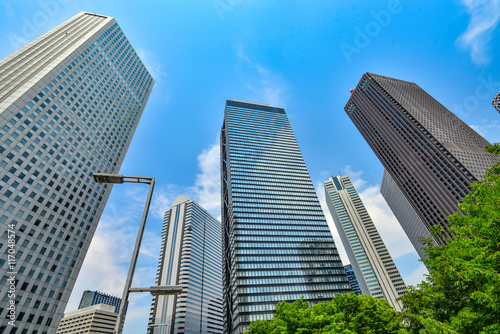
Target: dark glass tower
275,239
429,153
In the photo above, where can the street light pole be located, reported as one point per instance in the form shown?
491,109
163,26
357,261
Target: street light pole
112,178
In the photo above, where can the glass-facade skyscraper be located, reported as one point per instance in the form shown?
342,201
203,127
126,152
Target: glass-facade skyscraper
353,281
376,273
276,242
70,102
91,298
430,154
190,256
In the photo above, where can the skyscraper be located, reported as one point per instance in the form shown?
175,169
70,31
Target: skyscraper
353,281
496,102
190,256
276,244
70,102
91,298
372,264
430,154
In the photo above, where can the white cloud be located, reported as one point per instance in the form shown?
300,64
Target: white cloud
153,65
163,198
206,189
489,130
417,276
108,258
386,223
485,15
269,87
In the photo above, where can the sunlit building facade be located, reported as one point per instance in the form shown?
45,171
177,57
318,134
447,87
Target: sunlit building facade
376,273
276,242
70,102
190,256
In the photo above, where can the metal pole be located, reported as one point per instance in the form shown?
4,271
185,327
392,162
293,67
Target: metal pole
135,254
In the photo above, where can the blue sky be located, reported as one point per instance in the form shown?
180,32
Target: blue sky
300,55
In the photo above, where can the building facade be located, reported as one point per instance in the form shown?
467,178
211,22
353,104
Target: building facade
190,256
376,273
431,155
95,319
91,298
496,102
407,217
276,242
70,102
353,281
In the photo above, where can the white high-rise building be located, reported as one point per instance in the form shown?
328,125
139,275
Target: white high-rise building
70,102
371,262
191,256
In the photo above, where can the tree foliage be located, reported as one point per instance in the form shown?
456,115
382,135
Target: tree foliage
346,314
462,292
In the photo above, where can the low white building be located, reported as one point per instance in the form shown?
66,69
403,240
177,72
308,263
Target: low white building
100,318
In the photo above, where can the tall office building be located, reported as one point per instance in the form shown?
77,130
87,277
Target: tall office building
70,102
496,102
275,240
430,154
353,281
372,264
91,298
190,256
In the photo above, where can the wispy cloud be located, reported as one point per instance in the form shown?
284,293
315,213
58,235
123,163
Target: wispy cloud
417,276
106,263
269,87
206,189
485,15
153,64
489,130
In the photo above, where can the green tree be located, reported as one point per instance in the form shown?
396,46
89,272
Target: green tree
346,314
462,292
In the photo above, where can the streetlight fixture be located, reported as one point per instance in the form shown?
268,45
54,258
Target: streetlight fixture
117,178
158,290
